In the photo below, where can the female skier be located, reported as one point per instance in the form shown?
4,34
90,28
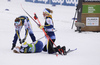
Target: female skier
48,27
19,23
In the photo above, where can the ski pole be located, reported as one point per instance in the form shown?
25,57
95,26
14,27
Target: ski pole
29,16
41,38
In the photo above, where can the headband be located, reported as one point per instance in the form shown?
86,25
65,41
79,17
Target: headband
46,11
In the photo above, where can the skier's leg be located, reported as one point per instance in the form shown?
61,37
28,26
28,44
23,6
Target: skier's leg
50,47
14,41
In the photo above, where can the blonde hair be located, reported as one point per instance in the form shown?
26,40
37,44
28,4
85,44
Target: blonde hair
49,10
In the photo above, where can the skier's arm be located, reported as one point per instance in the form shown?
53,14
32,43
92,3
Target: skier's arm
26,33
48,24
18,34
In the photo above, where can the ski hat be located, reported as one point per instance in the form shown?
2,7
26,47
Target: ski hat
16,50
46,11
25,44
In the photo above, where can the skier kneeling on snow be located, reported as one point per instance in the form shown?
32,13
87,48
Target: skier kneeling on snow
19,23
49,29
34,47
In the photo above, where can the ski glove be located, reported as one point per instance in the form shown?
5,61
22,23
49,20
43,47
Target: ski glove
23,40
35,16
41,27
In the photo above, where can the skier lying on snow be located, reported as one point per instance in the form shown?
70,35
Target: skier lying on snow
36,47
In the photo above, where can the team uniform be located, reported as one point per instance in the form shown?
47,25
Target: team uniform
23,21
49,27
34,47
31,48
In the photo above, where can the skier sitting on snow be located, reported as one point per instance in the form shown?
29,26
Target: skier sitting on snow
34,47
19,23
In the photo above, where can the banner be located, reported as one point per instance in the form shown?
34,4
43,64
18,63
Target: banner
92,21
91,0
91,9
56,2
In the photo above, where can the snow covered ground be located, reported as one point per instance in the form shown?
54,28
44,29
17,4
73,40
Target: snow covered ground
87,43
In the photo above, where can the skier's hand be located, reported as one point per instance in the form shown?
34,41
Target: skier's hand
23,40
35,16
41,27
20,41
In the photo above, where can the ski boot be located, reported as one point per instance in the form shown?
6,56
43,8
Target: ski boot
45,49
58,49
63,49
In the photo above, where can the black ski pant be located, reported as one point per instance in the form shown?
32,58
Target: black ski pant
51,50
